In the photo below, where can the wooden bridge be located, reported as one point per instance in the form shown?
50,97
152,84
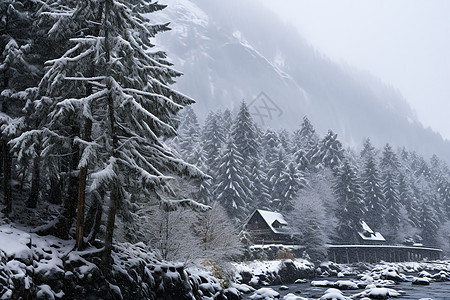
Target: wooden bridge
377,253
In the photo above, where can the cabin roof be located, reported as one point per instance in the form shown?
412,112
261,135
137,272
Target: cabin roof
367,234
271,217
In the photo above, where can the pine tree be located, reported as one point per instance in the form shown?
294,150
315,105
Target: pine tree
110,81
351,208
406,198
285,140
212,140
19,69
232,191
290,181
389,161
373,194
274,173
390,168
428,223
259,189
270,146
245,135
227,122
188,139
392,203
328,153
368,152
305,141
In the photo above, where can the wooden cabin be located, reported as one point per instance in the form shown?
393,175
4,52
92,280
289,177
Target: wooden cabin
369,237
267,227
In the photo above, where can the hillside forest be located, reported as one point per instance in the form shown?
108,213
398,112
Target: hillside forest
96,146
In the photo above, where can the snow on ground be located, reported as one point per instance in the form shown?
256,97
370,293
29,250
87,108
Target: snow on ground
15,244
45,267
257,267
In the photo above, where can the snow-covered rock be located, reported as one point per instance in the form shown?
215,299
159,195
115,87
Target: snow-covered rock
346,285
291,296
321,283
373,292
393,274
45,267
333,294
299,281
265,294
421,281
272,272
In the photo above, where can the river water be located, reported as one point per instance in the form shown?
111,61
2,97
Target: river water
435,291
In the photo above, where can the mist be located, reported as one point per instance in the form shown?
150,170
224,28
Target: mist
237,50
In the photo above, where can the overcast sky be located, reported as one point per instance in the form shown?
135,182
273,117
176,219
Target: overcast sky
406,43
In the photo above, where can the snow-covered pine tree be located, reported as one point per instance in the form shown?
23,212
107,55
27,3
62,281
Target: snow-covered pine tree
373,194
429,223
245,134
212,141
227,122
390,168
304,141
259,189
350,208
232,191
439,175
188,139
291,181
389,160
119,91
392,204
285,140
419,166
409,202
275,169
328,153
18,70
270,146
367,152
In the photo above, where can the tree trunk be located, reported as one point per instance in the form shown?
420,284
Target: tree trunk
7,178
115,192
34,192
84,170
61,228
70,202
82,189
113,201
94,217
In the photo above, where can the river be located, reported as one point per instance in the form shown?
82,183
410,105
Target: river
435,291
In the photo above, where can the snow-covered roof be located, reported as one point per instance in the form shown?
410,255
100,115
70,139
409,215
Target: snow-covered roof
367,234
271,218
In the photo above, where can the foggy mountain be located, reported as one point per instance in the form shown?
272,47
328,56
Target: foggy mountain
235,50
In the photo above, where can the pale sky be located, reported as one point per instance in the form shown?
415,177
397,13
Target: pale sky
406,43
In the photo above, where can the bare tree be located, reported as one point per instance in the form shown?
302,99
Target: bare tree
309,220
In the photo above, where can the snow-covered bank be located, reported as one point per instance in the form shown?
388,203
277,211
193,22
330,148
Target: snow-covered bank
44,267
259,273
